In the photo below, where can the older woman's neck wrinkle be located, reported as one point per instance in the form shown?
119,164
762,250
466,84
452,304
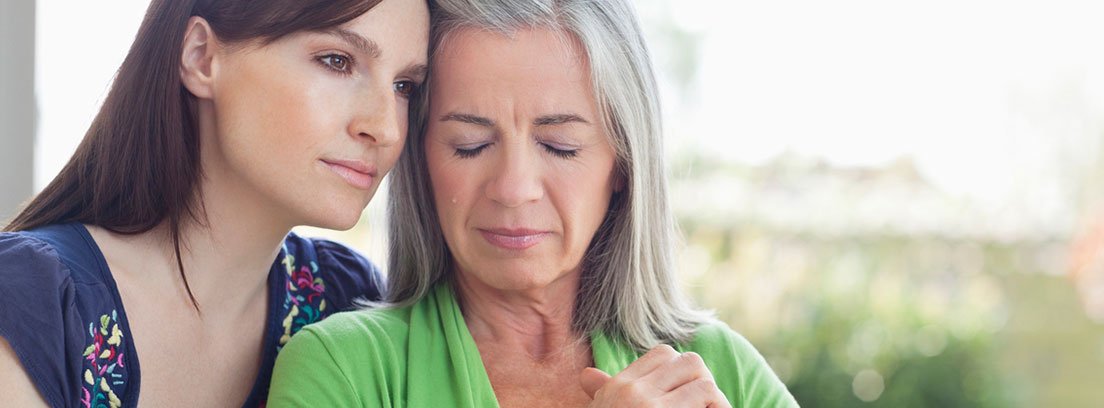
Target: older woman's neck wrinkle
537,321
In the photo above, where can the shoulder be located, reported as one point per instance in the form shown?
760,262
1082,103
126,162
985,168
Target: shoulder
33,278
346,360
385,330
725,350
22,254
346,274
41,322
353,341
739,369
717,336
55,252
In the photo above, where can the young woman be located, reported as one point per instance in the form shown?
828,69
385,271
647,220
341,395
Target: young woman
158,267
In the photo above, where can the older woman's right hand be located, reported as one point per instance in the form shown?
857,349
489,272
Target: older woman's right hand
661,378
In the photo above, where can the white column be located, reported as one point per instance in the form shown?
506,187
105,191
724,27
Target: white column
17,105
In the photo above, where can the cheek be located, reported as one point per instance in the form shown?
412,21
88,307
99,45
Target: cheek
584,198
586,202
302,115
448,182
277,118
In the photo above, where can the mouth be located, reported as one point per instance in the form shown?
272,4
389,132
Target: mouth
517,239
358,174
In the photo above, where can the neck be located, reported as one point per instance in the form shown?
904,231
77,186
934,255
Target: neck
226,255
534,321
229,253
227,258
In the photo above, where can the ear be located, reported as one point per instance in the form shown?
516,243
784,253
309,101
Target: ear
197,58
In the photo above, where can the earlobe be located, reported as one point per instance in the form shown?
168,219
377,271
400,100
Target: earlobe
197,57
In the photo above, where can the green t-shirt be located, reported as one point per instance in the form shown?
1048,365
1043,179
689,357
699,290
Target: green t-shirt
424,356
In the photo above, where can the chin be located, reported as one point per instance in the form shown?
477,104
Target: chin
340,225
515,278
339,218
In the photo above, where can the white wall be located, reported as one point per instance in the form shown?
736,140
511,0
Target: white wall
17,104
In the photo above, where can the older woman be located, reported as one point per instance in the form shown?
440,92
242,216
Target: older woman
532,239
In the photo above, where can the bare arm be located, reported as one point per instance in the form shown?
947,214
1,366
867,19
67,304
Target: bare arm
19,391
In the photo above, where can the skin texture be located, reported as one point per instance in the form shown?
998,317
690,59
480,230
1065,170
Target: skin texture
281,112
495,167
662,377
22,391
270,118
522,177
515,179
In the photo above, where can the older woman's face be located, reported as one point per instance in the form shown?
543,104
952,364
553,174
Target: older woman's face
521,170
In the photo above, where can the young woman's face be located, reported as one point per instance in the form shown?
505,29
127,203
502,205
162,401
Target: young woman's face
309,124
521,170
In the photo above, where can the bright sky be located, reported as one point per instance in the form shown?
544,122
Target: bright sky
989,97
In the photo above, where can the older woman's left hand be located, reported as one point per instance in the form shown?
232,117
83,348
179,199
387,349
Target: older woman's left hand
662,377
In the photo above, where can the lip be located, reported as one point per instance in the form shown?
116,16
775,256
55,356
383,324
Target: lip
358,174
513,238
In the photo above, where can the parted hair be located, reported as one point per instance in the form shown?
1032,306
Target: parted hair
628,288
137,167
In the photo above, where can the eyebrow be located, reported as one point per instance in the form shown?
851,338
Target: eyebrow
364,45
540,121
370,48
416,71
558,119
466,118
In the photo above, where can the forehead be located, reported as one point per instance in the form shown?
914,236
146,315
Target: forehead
404,18
393,30
535,63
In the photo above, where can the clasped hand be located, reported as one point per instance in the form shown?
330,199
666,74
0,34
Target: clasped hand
662,377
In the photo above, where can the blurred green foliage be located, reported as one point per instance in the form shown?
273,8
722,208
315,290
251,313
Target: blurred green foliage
962,374
885,314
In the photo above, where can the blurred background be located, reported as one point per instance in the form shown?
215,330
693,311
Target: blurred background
900,203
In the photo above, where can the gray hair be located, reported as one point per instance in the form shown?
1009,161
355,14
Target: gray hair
628,288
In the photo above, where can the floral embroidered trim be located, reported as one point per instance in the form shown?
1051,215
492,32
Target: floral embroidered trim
304,303
100,360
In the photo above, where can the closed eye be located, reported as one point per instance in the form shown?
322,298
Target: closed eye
560,152
471,152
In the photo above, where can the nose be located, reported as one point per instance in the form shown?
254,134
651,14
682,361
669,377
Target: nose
378,117
516,177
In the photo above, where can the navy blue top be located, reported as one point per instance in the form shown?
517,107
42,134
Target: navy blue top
61,313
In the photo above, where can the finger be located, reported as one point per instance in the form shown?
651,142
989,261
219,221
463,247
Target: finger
647,363
592,379
674,373
702,392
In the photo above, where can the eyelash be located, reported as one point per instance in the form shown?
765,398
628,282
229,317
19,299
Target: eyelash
412,88
469,153
564,154
328,61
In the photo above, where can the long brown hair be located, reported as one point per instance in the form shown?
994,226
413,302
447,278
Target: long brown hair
138,165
